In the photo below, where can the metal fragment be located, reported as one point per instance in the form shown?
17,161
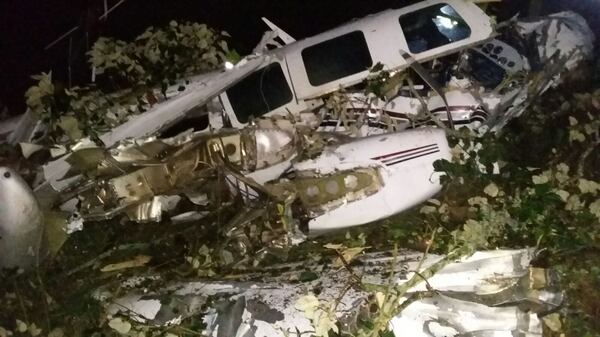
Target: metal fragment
21,222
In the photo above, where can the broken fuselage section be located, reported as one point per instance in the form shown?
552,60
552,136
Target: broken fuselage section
333,182
287,181
435,72
443,62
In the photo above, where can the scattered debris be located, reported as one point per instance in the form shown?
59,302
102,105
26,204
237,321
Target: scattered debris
138,261
495,291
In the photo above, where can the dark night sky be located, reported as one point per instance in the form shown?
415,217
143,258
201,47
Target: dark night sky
27,26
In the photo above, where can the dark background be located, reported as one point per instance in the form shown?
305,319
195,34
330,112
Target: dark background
28,26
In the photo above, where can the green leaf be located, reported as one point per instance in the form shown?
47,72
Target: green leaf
70,126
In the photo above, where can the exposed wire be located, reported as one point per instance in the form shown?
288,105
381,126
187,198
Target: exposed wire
72,30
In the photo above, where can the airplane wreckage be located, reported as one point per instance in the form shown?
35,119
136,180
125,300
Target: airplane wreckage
275,129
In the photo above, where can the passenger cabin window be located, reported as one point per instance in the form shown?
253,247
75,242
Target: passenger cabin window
433,27
336,58
260,92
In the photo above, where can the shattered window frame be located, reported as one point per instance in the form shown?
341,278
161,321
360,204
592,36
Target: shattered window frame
433,27
483,70
260,92
336,58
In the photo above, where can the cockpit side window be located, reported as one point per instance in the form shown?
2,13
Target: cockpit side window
433,27
262,91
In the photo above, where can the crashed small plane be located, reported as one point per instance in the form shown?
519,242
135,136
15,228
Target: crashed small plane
262,75
260,132
464,70
446,63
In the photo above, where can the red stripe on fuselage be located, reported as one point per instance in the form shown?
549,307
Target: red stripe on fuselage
403,152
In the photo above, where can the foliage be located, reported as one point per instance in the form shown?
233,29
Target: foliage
41,99
127,74
70,114
117,58
159,56
321,314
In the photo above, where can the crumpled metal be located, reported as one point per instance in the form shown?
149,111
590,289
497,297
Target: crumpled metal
320,193
129,176
146,179
452,302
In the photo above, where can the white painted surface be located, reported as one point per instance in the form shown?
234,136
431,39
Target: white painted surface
405,184
21,222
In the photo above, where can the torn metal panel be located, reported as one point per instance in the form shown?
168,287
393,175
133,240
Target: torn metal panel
445,316
23,128
267,41
152,210
28,149
563,33
320,193
7,126
128,177
267,305
188,217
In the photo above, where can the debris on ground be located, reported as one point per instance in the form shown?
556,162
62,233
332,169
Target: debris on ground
489,292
